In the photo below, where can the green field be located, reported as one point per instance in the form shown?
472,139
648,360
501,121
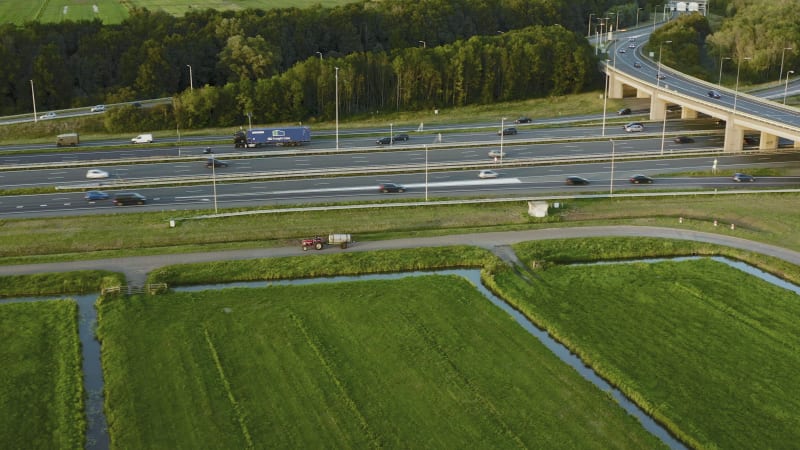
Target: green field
41,390
705,348
424,362
113,11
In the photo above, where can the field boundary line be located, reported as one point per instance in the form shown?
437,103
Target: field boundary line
237,408
351,404
38,15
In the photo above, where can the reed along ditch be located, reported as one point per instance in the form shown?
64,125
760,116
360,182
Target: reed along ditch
97,432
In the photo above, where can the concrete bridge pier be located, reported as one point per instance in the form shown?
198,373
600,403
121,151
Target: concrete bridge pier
734,137
688,113
767,141
658,108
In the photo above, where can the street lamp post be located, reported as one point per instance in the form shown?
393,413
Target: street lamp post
721,60
736,91
33,99
424,44
191,82
637,15
426,172
658,81
391,134
320,55
611,185
249,120
502,134
786,85
605,99
214,181
589,31
337,108
655,12
783,53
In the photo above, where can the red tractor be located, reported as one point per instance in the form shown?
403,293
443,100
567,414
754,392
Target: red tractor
318,242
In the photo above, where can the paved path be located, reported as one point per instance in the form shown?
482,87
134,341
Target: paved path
136,268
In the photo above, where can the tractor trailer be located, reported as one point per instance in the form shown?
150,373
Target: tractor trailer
261,137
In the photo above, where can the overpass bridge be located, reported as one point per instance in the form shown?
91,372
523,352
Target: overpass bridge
632,75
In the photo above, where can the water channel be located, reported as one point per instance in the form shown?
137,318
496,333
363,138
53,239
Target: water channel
97,432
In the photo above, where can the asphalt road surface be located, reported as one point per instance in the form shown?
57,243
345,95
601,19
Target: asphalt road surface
136,268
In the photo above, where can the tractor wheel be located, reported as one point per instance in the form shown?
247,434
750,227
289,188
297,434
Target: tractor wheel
344,245
318,246
305,248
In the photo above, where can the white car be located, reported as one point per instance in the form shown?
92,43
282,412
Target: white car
488,174
496,154
49,115
96,173
98,108
142,139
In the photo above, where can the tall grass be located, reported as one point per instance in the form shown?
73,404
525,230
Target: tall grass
77,282
41,389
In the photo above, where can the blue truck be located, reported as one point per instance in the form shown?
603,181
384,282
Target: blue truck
260,137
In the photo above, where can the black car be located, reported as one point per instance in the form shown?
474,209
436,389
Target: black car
751,140
637,64
739,177
661,76
624,111
384,141
129,198
714,94
577,181
683,140
507,131
524,120
400,137
391,187
641,179
213,162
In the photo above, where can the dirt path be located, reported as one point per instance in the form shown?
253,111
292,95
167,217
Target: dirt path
136,268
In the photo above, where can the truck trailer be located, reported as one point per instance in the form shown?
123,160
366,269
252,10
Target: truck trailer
260,137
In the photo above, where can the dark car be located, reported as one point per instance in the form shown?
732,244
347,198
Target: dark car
213,162
577,181
129,198
751,140
391,187
739,177
683,140
507,131
624,111
714,94
637,64
384,141
661,76
641,179
400,137
96,195
524,120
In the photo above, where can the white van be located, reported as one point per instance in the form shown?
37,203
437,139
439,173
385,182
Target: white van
142,139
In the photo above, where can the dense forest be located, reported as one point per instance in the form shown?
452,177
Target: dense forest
285,65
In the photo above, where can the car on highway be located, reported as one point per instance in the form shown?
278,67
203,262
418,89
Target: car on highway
739,177
129,198
683,140
488,174
622,50
146,138
98,108
507,131
631,45
640,179
214,162
391,187
96,174
92,196
714,94
384,141
496,154
751,140
624,112
634,127
637,64
661,76
577,181
45,116
524,120
401,137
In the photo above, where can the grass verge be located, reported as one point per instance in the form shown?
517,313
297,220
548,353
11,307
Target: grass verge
419,362
78,282
41,390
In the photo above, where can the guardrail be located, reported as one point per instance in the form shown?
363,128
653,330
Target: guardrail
392,168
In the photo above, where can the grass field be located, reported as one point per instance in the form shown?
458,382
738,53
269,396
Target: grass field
41,390
113,11
705,348
425,362
40,284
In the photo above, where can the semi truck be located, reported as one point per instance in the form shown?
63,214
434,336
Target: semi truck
260,137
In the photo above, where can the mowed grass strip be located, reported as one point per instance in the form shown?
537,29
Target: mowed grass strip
41,390
421,362
76,282
705,348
